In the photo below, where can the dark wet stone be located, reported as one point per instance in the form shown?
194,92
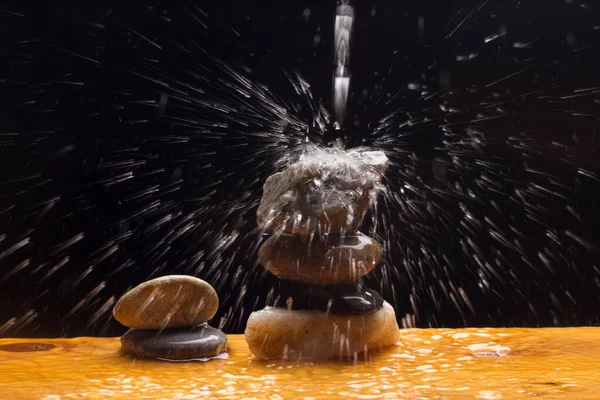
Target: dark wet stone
349,299
175,344
328,260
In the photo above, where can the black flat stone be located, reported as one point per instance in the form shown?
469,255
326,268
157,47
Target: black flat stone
175,344
347,299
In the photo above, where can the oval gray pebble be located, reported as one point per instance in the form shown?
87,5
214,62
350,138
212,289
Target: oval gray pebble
348,299
175,344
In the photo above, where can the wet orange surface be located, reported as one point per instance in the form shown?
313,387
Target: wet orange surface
427,364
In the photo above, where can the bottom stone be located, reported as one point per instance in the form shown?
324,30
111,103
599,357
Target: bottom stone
175,344
276,333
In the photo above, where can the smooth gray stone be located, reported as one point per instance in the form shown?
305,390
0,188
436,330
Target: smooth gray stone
175,344
348,299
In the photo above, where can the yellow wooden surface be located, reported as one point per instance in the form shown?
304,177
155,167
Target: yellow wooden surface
427,364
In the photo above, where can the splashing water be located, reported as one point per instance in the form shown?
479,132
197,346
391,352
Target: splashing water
137,144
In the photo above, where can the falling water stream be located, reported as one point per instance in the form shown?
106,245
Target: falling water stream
344,20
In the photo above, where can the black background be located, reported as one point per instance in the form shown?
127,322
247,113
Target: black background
100,137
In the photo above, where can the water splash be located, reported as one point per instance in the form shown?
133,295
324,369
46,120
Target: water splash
158,169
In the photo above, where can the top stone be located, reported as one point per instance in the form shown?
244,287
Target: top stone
326,190
167,302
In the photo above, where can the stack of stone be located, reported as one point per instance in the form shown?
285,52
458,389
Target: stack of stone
167,317
313,210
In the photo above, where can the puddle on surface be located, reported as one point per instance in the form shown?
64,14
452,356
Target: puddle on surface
26,347
537,366
489,395
489,350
